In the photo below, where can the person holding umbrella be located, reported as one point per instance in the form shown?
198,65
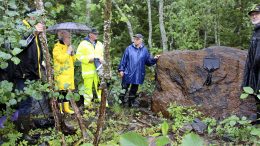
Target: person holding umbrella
63,56
89,51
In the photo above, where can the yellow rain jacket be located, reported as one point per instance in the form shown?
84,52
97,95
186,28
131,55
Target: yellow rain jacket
63,67
85,52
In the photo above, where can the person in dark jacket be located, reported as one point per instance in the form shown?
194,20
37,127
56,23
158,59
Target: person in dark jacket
252,66
132,67
29,68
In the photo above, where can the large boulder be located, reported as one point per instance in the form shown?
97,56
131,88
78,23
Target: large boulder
181,78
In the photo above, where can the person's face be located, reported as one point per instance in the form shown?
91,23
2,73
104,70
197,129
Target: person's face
138,41
255,17
66,39
93,36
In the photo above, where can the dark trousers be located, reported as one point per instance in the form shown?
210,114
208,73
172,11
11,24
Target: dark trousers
64,93
24,106
133,88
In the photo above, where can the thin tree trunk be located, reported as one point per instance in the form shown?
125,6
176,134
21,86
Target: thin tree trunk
128,23
205,38
162,29
150,24
106,74
171,43
88,2
80,120
217,39
44,44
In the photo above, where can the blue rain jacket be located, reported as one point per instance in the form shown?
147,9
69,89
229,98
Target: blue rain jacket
133,64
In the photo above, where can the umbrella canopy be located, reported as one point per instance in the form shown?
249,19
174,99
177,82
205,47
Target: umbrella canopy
69,26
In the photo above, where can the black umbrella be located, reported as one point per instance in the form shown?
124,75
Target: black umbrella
72,27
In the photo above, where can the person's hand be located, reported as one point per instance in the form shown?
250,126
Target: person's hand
39,27
70,50
121,73
157,56
91,60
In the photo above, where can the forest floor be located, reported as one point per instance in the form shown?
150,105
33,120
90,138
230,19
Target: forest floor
122,119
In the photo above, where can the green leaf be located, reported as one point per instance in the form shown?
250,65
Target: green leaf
48,4
12,102
132,139
76,97
244,96
12,4
258,96
15,60
165,128
81,92
5,56
192,139
56,94
255,132
248,90
3,65
66,86
23,43
16,51
162,141
12,13
156,134
232,123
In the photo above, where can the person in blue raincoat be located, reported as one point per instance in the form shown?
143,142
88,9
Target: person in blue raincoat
132,68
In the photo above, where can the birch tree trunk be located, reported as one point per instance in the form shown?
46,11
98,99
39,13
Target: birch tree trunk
150,24
162,29
44,44
128,23
106,74
88,2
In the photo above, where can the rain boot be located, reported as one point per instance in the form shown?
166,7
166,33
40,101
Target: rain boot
132,102
67,108
60,106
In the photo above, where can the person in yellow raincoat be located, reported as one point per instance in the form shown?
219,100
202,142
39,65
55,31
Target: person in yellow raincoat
89,50
64,59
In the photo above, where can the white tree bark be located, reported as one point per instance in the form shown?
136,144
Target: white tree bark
162,29
150,24
128,23
88,2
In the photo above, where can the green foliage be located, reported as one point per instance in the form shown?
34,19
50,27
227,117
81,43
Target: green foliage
6,92
237,129
162,141
211,123
182,115
248,91
87,144
192,139
133,139
165,128
36,89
